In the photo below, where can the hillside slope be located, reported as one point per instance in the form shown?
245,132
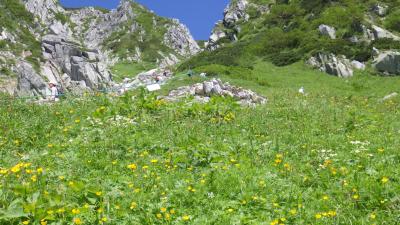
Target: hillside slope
77,47
328,157
337,37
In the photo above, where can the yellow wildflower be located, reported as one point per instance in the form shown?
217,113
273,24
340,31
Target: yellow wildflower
61,210
75,211
185,218
154,161
274,222
133,205
77,221
34,178
318,216
16,168
39,170
163,209
26,222
99,193
385,180
332,213
132,166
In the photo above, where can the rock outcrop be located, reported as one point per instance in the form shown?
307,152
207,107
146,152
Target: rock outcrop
48,13
380,33
380,9
334,65
235,12
75,42
45,10
95,26
388,63
327,31
178,37
227,28
67,57
215,87
29,82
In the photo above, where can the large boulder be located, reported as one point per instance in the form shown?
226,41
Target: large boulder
380,33
388,62
334,65
327,31
372,33
29,81
380,9
358,65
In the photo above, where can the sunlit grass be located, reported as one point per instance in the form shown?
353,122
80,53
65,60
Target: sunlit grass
330,157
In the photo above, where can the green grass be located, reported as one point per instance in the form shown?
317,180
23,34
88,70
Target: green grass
330,157
129,70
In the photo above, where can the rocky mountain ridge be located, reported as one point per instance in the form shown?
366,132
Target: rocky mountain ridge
76,47
333,36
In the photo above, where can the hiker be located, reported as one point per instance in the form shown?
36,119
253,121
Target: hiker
54,96
158,79
190,73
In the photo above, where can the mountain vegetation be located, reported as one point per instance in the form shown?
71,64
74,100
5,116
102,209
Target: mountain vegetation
249,129
287,32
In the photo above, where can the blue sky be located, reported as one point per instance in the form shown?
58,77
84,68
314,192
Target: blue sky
199,15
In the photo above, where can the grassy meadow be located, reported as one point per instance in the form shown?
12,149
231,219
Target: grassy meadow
329,157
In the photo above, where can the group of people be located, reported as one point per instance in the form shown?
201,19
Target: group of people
159,78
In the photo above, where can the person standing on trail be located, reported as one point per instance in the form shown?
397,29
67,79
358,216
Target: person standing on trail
54,92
